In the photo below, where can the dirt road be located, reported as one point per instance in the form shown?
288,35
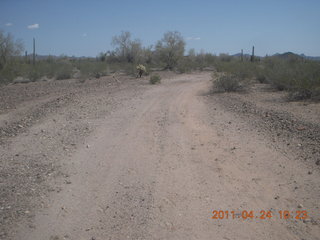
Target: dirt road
160,163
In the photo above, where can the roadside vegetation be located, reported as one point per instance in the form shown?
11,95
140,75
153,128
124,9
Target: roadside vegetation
286,72
226,82
155,78
289,72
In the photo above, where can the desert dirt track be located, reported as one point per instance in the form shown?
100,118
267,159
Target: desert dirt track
155,164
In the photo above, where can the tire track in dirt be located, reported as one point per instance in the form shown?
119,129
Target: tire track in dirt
158,166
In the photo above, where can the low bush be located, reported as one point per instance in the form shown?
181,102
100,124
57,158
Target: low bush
92,69
34,75
226,83
186,65
315,95
242,69
130,69
64,72
261,78
300,77
53,69
155,78
8,74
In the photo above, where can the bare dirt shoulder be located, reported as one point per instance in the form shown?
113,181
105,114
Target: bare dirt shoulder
294,124
283,139
98,160
41,124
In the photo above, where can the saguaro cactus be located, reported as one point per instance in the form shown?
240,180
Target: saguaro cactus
252,56
34,52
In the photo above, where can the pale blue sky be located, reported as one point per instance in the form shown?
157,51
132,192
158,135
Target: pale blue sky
85,28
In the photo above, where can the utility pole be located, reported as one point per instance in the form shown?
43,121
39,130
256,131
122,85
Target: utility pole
34,52
241,55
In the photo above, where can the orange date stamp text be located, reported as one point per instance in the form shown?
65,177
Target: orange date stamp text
262,214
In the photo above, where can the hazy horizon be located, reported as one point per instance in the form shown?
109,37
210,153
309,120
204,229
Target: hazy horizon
83,28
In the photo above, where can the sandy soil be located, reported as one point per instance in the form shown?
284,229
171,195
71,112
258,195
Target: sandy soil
102,160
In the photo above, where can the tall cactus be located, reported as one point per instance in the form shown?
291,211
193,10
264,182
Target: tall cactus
252,56
34,52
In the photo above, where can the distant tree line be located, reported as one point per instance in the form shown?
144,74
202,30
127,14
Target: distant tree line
167,52
291,72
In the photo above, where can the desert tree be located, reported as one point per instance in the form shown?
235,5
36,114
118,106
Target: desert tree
102,56
122,43
170,49
148,55
126,49
135,51
192,55
9,47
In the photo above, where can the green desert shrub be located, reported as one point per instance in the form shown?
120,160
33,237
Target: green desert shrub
315,95
130,69
261,78
8,74
64,71
226,83
34,75
57,69
95,69
243,70
155,78
300,77
185,65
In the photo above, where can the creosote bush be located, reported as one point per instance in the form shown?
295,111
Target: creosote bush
95,69
64,72
155,78
185,65
226,83
298,76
